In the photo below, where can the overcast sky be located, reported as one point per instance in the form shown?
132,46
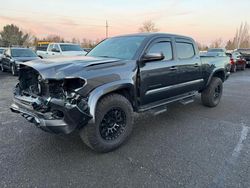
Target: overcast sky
203,20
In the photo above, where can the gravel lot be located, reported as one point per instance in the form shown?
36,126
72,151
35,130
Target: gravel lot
188,146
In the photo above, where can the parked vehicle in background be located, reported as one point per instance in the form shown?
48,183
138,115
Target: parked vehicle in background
218,55
61,49
223,50
1,53
41,47
99,93
12,58
245,52
237,61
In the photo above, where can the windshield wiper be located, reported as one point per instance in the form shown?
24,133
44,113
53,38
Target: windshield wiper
105,56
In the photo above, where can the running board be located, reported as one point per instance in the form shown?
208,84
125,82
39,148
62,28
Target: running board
187,101
184,99
159,110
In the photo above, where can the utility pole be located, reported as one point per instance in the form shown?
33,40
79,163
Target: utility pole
107,29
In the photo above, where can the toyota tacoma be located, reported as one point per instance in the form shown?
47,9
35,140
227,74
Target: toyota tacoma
98,94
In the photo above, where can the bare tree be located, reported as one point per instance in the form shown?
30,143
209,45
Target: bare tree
230,45
148,27
218,43
242,37
54,38
202,47
75,40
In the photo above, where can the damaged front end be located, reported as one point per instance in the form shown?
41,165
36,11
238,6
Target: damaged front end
54,105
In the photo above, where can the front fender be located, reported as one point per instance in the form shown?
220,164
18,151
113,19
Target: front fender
99,92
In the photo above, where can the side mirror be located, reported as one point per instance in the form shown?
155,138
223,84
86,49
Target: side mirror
153,57
55,50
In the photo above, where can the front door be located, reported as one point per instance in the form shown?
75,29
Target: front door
157,77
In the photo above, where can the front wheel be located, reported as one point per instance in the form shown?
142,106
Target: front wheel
113,124
212,94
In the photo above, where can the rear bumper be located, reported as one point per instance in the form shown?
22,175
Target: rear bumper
72,117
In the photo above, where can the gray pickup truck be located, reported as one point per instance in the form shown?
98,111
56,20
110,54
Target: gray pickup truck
99,93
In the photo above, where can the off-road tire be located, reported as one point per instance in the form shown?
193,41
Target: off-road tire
208,96
91,134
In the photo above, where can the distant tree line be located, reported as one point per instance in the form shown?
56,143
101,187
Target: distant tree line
241,39
12,35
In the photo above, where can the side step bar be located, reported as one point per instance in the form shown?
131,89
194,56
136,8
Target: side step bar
183,99
187,101
159,110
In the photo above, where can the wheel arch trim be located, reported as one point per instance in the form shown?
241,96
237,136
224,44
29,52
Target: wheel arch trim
103,90
220,70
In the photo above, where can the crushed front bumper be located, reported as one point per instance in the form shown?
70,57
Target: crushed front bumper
72,116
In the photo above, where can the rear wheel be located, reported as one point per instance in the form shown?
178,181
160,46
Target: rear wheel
212,94
113,124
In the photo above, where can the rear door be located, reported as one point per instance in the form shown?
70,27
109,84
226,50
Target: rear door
189,66
158,77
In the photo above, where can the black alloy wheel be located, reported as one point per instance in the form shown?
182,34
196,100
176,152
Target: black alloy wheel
113,124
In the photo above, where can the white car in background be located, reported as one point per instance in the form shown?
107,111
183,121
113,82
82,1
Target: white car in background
61,49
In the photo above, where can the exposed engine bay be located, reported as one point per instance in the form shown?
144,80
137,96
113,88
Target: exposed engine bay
53,99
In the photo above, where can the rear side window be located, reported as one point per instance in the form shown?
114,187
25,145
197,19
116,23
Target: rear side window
185,50
162,47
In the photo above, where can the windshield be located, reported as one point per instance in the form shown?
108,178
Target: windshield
70,47
118,47
23,53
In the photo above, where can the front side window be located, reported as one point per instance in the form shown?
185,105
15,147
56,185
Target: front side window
162,47
185,50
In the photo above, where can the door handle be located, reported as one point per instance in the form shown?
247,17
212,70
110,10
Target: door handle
173,68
